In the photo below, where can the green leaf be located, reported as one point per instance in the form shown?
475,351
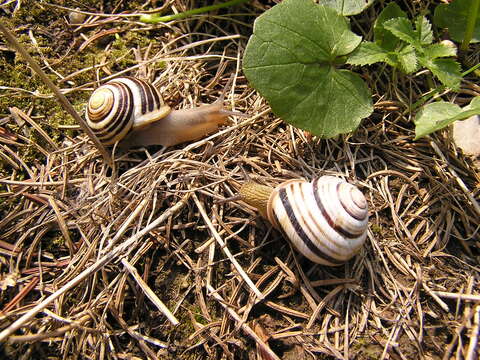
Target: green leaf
423,30
383,37
436,116
402,29
290,60
369,53
473,106
407,59
447,71
348,7
443,49
454,17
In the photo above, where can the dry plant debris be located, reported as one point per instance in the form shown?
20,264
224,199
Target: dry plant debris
136,261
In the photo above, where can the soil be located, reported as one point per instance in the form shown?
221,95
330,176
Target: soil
411,293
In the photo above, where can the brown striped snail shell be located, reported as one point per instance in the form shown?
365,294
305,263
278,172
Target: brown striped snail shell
131,111
326,219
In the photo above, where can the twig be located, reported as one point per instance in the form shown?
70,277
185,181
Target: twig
149,352
245,327
40,183
21,116
435,297
109,257
24,292
126,224
474,335
225,249
149,292
77,324
62,224
61,98
457,296
459,180
322,304
155,19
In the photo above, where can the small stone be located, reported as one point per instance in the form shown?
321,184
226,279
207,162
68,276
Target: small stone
466,135
76,17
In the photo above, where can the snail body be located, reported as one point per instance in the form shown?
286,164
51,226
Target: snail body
131,111
325,219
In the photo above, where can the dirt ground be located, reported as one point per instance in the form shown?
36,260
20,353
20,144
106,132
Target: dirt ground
149,258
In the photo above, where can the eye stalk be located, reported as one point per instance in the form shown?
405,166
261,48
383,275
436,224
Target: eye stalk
131,112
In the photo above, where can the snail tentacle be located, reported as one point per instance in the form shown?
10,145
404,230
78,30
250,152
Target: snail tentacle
178,126
131,111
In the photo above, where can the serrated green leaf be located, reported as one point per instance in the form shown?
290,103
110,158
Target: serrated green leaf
407,59
434,51
290,60
436,116
402,28
423,30
383,37
446,70
454,16
348,7
368,53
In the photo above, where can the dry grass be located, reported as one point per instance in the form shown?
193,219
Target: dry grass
139,261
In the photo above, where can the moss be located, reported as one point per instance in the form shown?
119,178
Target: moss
48,23
53,241
377,229
197,314
364,348
121,53
54,39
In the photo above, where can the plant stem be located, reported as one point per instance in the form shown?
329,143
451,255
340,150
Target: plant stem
470,70
471,20
438,90
61,98
155,19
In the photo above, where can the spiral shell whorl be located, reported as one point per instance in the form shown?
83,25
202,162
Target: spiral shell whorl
120,104
325,219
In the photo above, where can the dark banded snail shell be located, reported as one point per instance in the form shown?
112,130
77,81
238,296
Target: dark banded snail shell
123,104
131,111
326,219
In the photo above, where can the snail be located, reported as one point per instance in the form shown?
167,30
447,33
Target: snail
325,219
131,111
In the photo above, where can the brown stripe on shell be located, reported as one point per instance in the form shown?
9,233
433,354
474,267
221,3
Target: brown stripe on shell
310,220
282,193
130,97
122,115
123,100
326,215
142,92
97,114
156,96
351,197
271,213
152,104
150,97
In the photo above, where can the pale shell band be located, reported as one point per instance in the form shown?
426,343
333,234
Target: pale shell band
326,219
